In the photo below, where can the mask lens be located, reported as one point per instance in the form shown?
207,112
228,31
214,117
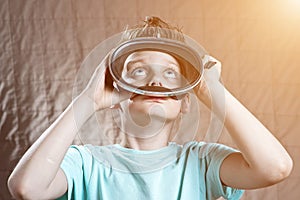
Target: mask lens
180,73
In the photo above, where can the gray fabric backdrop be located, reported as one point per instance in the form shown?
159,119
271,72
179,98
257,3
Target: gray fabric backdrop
43,42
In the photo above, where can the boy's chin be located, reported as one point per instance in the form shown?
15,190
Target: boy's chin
153,115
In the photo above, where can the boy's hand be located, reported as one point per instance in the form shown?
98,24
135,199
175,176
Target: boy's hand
101,90
212,68
211,79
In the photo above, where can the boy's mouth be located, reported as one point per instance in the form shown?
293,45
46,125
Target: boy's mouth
149,98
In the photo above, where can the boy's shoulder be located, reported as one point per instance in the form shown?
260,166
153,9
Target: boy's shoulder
207,150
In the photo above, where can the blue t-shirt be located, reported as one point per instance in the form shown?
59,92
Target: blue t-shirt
186,172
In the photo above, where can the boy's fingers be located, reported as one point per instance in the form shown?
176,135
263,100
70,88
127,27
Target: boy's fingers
209,64
108,80
212,68
119,95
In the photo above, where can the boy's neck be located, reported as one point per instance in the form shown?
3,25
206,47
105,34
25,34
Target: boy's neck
148,138
155,142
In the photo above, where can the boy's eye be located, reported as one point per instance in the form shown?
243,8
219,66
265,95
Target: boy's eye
170,73
139,72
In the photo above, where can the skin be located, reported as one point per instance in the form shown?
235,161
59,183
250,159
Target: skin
262,162
147,118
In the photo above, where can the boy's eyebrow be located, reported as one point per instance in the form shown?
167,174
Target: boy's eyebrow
130,63
170,63
175,67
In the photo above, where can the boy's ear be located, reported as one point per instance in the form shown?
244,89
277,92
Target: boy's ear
185,104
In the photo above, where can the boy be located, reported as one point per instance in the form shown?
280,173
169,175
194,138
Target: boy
148,166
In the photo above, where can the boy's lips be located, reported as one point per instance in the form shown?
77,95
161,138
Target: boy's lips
153,98
150,98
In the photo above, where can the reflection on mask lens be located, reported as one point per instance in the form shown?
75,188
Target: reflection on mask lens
172,77
178,74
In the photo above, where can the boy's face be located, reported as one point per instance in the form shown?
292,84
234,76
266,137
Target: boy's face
152,68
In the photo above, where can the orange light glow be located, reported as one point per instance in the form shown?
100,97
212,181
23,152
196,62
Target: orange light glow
289,8
293,5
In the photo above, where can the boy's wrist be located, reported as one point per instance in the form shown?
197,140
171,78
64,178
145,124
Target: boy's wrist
213,95
83,105
209,92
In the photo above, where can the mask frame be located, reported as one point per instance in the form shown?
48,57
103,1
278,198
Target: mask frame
189,51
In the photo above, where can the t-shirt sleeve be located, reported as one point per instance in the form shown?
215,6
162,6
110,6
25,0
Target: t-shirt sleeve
72,166
214,155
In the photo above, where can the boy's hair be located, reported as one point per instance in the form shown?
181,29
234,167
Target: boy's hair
153,27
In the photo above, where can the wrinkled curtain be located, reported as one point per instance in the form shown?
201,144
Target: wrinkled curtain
42,44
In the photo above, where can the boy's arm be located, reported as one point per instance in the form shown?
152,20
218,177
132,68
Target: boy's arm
38,174
263,161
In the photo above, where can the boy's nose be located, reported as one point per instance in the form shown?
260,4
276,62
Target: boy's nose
155,82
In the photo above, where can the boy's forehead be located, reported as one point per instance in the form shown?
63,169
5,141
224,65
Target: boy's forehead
148,54
149,58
